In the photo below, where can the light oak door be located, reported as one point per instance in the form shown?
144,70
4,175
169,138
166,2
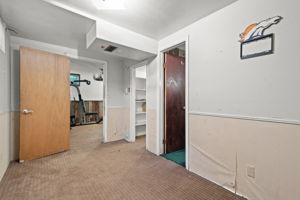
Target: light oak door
44,102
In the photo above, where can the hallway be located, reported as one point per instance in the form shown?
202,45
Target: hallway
113,171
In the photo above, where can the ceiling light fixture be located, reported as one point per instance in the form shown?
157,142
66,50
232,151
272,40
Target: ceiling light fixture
109,4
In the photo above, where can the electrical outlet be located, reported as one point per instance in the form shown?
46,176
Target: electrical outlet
251,171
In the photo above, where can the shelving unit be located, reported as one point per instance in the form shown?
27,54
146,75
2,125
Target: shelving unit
140,117
141,123
140,101
138,112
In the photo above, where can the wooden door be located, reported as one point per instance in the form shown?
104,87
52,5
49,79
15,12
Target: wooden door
44,102
174,103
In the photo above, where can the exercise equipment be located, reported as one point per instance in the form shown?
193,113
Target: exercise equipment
83,114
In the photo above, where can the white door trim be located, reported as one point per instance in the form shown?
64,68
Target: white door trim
131,135
160,100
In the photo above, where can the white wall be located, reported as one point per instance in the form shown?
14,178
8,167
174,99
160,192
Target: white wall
117,81
141,72
265,87
92,92
4,106
152,85
4,76
256,87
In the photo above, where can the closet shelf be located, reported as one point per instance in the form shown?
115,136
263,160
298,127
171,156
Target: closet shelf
142,133
139,113
141,90
141,123
144,78
141,100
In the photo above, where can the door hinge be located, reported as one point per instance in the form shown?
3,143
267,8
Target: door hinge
164,141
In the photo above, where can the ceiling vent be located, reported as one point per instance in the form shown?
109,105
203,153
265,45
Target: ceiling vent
110,48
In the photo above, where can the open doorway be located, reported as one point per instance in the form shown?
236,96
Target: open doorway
174,139
138,112
86,103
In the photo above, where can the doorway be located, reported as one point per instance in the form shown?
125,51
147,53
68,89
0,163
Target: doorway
138,96
86,103
174,105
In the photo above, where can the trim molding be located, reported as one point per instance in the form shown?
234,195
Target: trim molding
263,119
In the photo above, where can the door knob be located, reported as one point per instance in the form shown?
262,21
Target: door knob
25,111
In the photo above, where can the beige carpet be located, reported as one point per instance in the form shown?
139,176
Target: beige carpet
114,171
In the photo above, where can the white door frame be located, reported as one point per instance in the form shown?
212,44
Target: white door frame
104,66
131,137
160,96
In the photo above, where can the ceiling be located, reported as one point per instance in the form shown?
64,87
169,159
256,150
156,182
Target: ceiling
41,21
152,18
37,20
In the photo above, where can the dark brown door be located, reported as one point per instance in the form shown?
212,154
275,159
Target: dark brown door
174,103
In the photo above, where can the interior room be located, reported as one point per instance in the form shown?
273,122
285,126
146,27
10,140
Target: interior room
86,98
130,99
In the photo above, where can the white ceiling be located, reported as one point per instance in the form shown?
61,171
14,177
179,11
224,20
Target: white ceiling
41,21
37,20
152,18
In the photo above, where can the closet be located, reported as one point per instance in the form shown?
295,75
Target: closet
138,103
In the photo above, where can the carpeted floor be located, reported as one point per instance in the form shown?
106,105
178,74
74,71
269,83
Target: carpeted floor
114,171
